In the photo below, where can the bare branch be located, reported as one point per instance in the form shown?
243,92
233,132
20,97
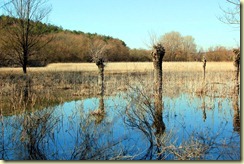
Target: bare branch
235,3
152,40
5,4
231,15
97,51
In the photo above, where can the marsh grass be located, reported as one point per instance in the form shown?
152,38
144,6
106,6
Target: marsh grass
65,82
123,67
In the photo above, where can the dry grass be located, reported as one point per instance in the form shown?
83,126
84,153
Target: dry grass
63,82
120,67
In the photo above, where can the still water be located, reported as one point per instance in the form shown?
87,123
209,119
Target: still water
71,132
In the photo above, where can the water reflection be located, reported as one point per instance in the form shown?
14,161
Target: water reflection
99,113
35,127
69,132
204,107
26,89
236,117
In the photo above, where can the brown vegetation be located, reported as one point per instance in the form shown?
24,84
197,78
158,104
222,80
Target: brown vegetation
219,53
73,47
61,82
124,67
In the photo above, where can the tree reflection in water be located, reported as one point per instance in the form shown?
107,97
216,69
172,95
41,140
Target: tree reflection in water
141,114
204,108
69,132
236,117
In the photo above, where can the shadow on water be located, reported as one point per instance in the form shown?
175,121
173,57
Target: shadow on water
126,131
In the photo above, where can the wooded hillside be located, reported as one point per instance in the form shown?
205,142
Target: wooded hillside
74,46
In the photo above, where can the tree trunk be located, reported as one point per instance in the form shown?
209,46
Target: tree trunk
204,67
157,56
101,80
237,86
236,63
235,104
101,85
158,97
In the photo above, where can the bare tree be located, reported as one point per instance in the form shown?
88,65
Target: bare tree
24,36
172,42
231,15
188,46
178,47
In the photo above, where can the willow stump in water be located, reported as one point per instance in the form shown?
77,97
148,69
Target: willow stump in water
100,112
97,50
100,64
204,61
157,57
236,63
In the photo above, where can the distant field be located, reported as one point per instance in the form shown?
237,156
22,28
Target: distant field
130,67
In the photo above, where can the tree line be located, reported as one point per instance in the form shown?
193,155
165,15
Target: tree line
54,44
75,46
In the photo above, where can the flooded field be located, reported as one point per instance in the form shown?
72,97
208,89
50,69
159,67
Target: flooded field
56,115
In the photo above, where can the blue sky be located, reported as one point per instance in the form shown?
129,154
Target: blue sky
132,20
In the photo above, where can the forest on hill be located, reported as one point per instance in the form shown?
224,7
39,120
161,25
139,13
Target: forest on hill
60,45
